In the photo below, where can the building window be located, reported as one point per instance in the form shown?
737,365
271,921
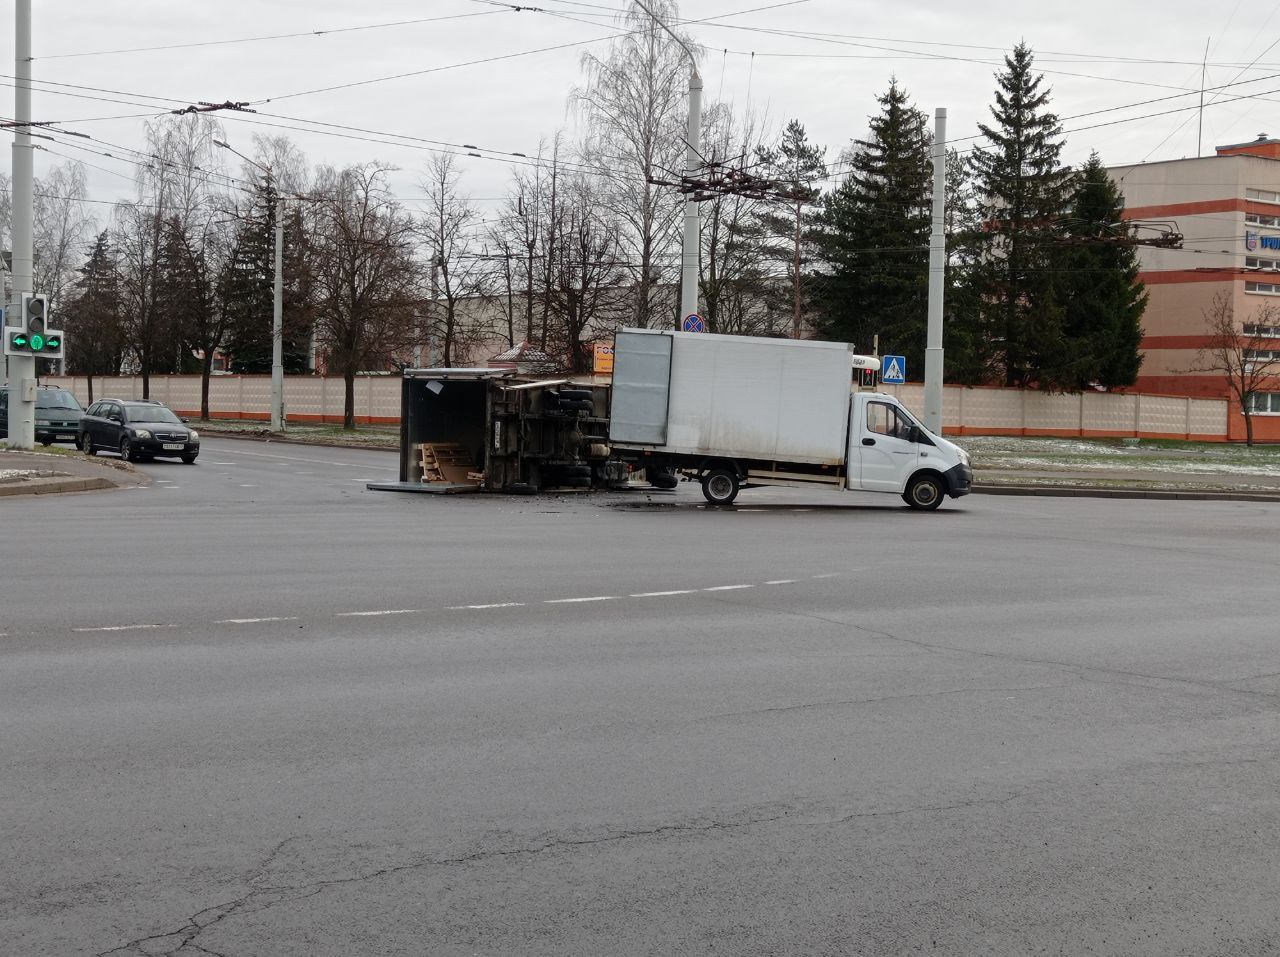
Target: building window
1264,403
1261,355
1262,195
1254,262
1263,288
1261,332
1255,219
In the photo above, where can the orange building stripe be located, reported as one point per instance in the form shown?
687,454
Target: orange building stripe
1176,342
1231,205
1213,274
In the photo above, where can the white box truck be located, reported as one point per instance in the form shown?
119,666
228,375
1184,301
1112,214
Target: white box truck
739,411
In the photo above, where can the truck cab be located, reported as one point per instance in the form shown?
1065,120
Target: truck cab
890,451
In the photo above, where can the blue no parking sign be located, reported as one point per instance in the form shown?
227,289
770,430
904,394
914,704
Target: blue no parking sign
893,370
694,323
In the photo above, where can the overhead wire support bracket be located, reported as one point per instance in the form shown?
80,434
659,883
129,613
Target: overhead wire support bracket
204,107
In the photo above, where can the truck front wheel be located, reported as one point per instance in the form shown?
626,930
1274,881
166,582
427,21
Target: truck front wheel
925,492
720,486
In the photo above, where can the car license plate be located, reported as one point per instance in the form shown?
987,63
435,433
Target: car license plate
174,446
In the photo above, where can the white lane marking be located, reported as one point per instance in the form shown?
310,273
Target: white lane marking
383,611
828,575
295,458
728,587
782,581
664,594
123,627
222,463
575,601
304,473
253,621
802,510
242,485
501,604
749,510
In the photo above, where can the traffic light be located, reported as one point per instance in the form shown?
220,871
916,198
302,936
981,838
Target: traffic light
33,337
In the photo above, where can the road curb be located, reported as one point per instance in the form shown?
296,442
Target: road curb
52,486
1062,491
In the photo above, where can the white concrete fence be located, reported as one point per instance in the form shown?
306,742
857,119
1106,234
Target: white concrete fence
965,411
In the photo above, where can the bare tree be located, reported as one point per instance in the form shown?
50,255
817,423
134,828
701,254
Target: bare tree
445,229
633,106
177,184
734,276
1244,355
364,274
585,293
62,226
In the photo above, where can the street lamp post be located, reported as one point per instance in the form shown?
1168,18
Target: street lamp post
690,247
277,304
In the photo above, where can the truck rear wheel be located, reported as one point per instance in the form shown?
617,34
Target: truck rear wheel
720,486
925,492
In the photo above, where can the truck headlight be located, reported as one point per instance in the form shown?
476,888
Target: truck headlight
962,455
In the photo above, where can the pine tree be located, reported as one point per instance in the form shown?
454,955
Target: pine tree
970,354
873,237
1024,191
95,340
245,288
1102,297
782,224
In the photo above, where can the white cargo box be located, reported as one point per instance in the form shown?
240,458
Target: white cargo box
737,397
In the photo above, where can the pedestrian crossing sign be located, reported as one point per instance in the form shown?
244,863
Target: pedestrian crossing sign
893,370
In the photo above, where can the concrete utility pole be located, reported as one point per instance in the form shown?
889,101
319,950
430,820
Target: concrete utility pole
691,246
277,299
937,278
22,369
277,324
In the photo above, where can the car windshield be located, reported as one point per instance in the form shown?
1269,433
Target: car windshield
150,413
56,400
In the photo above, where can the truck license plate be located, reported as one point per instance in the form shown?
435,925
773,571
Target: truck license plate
173,446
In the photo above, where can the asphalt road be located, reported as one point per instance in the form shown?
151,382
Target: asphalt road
255,709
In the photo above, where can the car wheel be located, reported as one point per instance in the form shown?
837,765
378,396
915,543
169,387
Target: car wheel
86,444
126,450
925,493
720,486
189,459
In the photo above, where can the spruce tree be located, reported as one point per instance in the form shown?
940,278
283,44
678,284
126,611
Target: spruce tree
1024,191
873,237
783,224
246,288
1098,286
95,340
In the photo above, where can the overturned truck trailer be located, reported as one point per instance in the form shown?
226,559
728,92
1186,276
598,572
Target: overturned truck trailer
500,430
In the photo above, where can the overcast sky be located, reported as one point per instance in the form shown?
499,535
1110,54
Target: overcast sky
944,52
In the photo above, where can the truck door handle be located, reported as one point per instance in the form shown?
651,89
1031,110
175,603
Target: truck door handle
868,441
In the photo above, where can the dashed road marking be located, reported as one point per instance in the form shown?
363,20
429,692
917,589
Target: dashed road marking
499,604
576,601
123,627
222,463
664,594
374,614
782,581
728,587
253,621
243,485
828,575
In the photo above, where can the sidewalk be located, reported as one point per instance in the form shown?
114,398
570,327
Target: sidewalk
47,473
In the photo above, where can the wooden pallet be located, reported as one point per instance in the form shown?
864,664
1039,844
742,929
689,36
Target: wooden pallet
447,462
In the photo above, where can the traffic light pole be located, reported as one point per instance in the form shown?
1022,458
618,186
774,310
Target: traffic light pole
22,369
277,326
